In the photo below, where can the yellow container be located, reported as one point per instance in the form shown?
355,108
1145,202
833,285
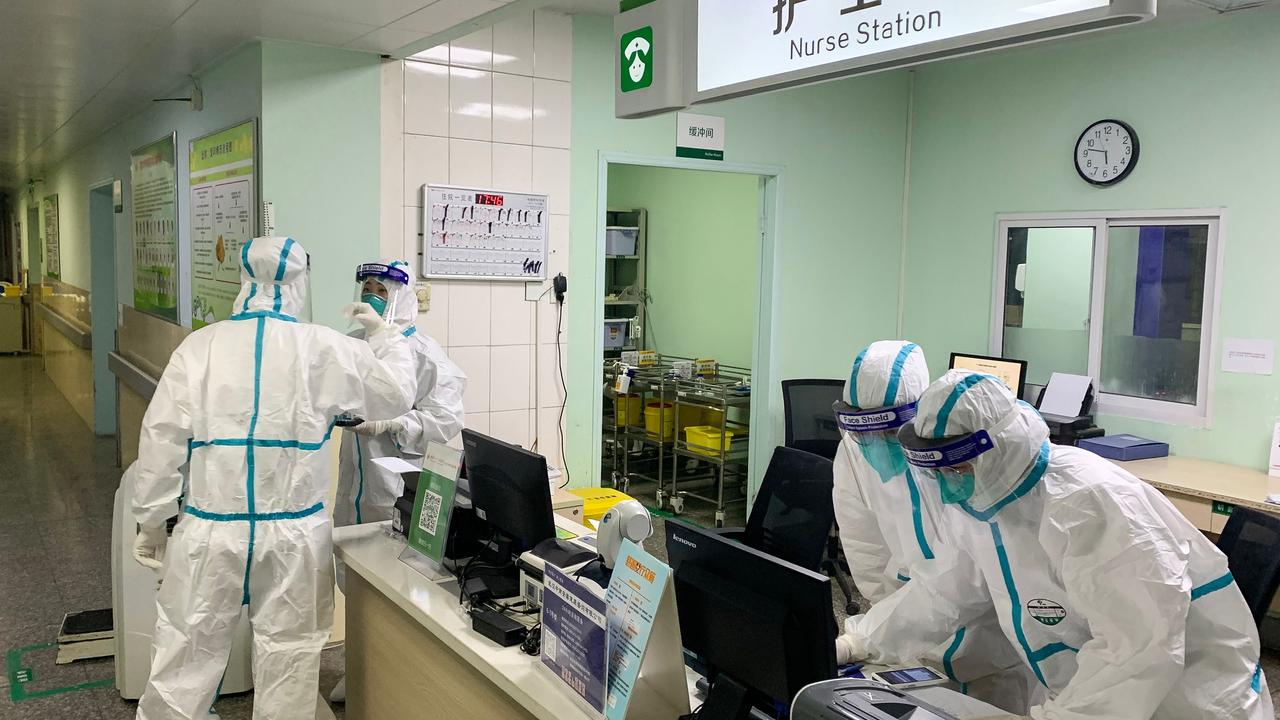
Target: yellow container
628,410
706,440
13,291
597,501
687,415
712,417
660,420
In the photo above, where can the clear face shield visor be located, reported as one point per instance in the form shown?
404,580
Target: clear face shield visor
872,427
949,460
377,286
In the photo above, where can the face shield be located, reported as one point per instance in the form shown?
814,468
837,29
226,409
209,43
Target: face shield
875,434
377,285
948,460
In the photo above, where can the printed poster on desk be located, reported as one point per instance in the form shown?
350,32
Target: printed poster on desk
646,662
574,638
432,508
221,171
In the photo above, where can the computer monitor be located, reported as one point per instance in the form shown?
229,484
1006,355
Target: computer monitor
509,489
1012,372
764,627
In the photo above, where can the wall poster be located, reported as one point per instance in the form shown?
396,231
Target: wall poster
223,217
153,189
52,240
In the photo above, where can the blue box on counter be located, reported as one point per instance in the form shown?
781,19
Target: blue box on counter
1125,447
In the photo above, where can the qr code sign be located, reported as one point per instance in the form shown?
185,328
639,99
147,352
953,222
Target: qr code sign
550,645
430,518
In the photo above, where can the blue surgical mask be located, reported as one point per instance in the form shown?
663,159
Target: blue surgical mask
378,304
956,487
886,457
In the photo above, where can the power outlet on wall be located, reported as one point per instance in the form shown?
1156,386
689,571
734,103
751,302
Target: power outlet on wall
423,291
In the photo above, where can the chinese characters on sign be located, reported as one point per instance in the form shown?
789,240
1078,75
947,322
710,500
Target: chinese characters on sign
700,137
790,7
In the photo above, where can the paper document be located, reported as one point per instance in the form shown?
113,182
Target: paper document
1254,357
1064,395
1275,452
396,465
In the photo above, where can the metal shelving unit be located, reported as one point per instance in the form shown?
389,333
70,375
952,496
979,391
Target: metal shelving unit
721,474
631,452
625,288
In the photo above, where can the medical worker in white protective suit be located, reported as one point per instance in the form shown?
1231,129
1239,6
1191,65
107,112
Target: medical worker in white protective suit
250,404
1116,603
367,492
888,521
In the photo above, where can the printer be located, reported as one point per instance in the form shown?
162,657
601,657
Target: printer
1071,429
850,699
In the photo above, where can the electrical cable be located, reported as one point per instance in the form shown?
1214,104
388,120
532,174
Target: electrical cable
564,398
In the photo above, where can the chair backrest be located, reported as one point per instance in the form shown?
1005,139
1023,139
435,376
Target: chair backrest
1251,542
810,424
793,514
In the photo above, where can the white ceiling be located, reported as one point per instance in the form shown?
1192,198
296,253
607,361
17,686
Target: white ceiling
70,69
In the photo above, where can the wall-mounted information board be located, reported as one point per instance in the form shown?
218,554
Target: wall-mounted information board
470,233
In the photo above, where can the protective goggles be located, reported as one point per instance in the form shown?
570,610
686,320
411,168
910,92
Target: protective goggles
938,454
378,271
869,425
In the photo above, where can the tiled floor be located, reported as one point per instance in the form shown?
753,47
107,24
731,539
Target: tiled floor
56,496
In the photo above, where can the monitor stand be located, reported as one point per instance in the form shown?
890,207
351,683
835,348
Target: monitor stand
727,700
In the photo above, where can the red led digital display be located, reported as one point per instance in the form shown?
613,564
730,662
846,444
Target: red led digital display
486,199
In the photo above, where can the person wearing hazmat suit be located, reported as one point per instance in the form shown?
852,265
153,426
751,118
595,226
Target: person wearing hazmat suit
367,492
248,406
1115,602
888,521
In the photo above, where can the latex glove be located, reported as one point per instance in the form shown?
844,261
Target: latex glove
845,651
370,428
364,314
148,547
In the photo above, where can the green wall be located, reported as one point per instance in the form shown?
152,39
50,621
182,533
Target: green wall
994,134
321,148
703,259
841,146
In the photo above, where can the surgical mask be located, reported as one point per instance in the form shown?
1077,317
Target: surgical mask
379,304
956,486
885,456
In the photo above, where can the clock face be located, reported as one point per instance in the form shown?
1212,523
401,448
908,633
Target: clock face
1106,152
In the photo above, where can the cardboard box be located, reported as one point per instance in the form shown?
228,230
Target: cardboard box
1125,447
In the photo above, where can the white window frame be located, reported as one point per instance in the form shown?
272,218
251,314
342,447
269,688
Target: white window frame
1199,415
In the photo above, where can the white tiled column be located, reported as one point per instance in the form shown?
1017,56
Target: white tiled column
490,110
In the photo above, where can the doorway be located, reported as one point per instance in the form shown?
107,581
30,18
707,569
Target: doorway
102,303
685,267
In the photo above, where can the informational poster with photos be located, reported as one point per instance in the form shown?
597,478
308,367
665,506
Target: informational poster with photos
222,171
153,189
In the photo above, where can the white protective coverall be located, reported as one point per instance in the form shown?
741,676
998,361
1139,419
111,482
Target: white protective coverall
249,403
888,524
1116,603
366,491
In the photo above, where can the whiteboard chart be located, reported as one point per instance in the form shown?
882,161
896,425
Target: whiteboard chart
470,233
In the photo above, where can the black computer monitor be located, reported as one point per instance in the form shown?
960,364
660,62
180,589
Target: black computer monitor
1009,370
509,489
764,627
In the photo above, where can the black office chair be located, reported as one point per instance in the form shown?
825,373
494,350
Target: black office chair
1251,542
810,423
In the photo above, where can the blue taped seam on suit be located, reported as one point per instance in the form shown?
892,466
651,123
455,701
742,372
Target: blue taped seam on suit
360,467
916,518
253,517
895,377
950,654
253,290
903,578
853,378
244,258
262,314
1014,602
1033,479
1257,678
1211,586
940,428
410,331
284,258
253,426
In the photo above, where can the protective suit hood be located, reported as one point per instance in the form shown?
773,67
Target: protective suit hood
887,373
963,402
404,300
274,279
